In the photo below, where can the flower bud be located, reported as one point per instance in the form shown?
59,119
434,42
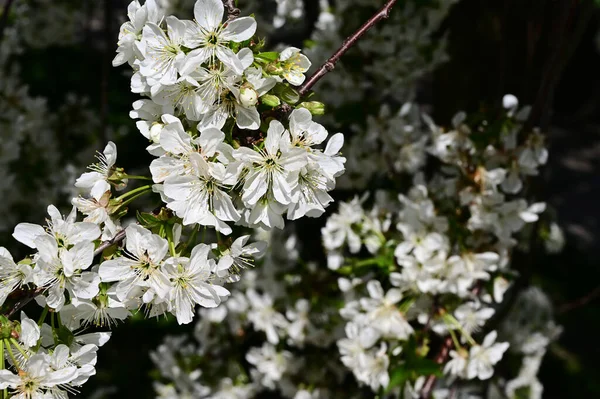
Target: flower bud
6,327
315,107
270,100
289,95
118,178
248,97
155,131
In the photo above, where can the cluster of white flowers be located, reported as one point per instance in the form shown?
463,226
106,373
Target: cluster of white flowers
416,272
218,162
266,327
426,267
47,365
421,264
453,232
234,146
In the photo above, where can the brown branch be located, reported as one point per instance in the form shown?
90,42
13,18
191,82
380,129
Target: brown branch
116,239
4,17
20,304
584,300
232,11
443,353
441,357
329,65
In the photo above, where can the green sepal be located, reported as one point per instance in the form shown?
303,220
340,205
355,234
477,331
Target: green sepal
148,220
286,93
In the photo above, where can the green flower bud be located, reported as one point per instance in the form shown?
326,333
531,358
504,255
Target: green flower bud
118,178
270,100
289,95
315,107
7,327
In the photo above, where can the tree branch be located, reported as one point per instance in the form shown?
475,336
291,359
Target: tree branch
116,239
232,11
567,307
329,65
439,359
20,304
443,354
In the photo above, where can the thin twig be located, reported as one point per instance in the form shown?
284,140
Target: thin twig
20,304
329,65
232,11
116,239
584,300
4,18
439,359
443,354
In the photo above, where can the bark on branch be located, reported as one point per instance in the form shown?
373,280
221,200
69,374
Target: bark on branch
232,11
329,65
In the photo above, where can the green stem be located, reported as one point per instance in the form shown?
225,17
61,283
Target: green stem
403,308
192,238
2,365
43,316
366,262
12,356
53,325
16,345
137,177
169,233
454,339
133,192
131,199
453,321
147,189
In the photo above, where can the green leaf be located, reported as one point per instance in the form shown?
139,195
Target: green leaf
398,378
148,220
270,56
64,335
423,366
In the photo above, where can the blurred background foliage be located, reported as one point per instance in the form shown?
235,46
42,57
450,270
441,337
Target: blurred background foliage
56,74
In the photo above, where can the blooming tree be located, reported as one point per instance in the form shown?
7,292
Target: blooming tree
405,302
